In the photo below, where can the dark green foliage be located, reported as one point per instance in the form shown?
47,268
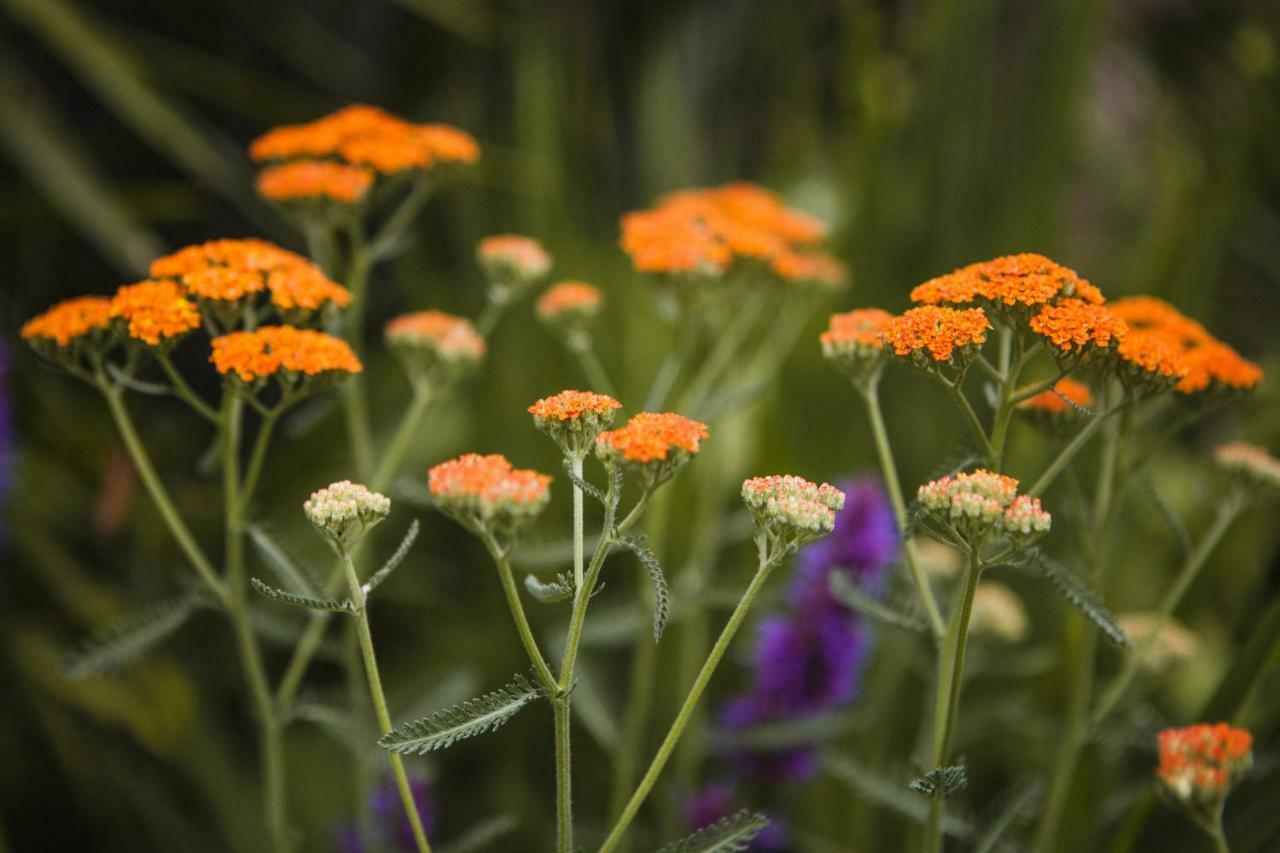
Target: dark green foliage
467,719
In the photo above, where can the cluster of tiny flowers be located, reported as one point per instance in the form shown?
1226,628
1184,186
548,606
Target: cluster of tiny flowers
1024,281
510,260
704,231
424,339
69,321
1200,763
155,311
569,302
1251,462
652,436
982,503
1065,398
1074,327
573,419
792,505
343,511
314,179
937,334
366,136
272,350
855,338
480,488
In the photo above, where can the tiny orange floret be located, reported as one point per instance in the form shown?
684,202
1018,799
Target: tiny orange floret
222,284
1025,279
305,179
68,320
1073,324
156,310
1202,761
939,330
651,436
571,405
265,351
305,288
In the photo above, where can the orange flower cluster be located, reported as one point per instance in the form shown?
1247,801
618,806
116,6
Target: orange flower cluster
155,310
311,179
367,136
1026,279
651,436
267,350
450,336
230,270
512,258
1076,326
572,405
705,230
1250,461
569,297
69,320
1181,347
938,330
861,330
1058,400
486,484
1201,762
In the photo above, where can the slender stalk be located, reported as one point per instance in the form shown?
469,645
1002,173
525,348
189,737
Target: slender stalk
503,562
722,355
400,219
257,457
492,314
353,392
380,702
889,469
159,494
970,416
950,684
184,390
575,465
1069,452
561,709
593,367
405,432
691,700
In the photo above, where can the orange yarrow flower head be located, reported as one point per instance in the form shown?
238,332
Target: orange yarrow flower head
568,308
1199,764
931,335
1077,331
1011,288
310,186
969,509
71,331
653,445
486,495
155,312
435,347
790,511
854,341
573,419
343,512
1258,469
302,361
810,267
512,263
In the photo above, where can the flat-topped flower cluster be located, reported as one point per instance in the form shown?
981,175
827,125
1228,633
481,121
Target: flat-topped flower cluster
1200,763
981,503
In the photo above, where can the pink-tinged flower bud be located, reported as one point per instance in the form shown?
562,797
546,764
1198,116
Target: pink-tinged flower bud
791,509
981,505
512,263
434,346
1251,463
1200,763
573,419
343,512
485,494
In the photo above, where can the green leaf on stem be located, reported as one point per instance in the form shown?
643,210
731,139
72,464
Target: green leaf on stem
848,594
661,593
1075,591
941,782
467,719
583,484
558,589
394,560
285,569
151,389
727,835
329,604
133,636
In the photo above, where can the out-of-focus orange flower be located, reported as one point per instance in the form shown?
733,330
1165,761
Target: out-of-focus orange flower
1182,348
486,485
1201,762
450,337
815,267
651,436
1058,399
936,330
569,297
69,320
267,350
513,259
156,311
311,179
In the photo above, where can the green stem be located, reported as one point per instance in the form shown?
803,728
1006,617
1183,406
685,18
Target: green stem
970,416
184,390
575,465
505,575
407,429
380,702
353,391
400,219
1069,452
593,367
720,358
257,457
889,469
491,315
691,700
950,684
561,709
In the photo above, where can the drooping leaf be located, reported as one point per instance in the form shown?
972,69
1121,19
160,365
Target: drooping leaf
1075,591
727,835
848,593
459,722
394,560
941,781
583,484
560,588
661,593
133,636
330,604
286,570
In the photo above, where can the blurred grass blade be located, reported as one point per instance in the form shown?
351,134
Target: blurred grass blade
462,18
132,637
44,148
482,835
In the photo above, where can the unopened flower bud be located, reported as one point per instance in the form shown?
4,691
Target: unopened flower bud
343,512
512,264
854,341
568,308
981,505
792,509
435,347
1251,463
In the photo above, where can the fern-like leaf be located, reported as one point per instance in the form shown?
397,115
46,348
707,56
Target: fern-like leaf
1075,591
394,560
132,637
941,782
467,719
583,484
848,594
330,604
554,591
727,835
661,593
285,569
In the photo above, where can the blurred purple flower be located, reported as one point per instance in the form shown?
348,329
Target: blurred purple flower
863,543
390,825
718,801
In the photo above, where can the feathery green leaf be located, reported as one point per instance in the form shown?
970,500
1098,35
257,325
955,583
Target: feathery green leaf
466,719
286,570
727,835
1075,591
661,593
331,604
941,781
394,560
848,594
583,484
132,637
558,589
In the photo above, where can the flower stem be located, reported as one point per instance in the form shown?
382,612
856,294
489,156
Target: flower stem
353,392
561,709
410,421
950,683
575,465
691,700
1069,452
380,702
593,367
503,562
889,470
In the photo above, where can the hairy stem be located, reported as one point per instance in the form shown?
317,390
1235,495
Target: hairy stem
561,709
503,562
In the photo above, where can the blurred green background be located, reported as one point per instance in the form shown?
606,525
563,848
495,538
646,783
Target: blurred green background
1137,141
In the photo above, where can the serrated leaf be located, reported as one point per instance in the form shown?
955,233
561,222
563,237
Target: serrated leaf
394,560
1167,513
464,720
583,484
1075,591
558,589
890,794
152,389
941,782
273,557
848,594
132,637
329,604
661,593
727,835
